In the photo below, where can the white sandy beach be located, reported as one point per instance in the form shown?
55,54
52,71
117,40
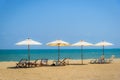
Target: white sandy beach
68,72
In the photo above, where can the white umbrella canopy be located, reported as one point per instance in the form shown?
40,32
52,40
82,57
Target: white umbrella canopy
82,43
28,42
58,43
103,43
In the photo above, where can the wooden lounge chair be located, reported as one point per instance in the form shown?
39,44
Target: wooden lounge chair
21,63
34,64
61,63
64,61
37,62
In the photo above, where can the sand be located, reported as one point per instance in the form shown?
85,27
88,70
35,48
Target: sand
69,72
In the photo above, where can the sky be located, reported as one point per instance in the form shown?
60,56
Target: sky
49,20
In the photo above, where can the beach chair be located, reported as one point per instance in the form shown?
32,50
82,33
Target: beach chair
94,61
101,60
35,63
110,60
44,62
64,61
61,63
22,63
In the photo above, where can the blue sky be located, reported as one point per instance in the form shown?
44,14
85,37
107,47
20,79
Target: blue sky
69,20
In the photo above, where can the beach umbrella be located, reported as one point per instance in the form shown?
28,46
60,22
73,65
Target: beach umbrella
103,44
28,42
82,43
58,43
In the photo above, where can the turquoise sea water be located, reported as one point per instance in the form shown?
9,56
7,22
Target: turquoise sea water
52,54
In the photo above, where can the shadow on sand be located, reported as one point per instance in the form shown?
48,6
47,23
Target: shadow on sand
77,64
14,67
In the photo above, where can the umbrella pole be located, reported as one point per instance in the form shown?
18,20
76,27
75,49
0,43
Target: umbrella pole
103,50
58,53
28,53
82,54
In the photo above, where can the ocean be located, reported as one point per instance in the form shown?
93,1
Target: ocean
52,54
